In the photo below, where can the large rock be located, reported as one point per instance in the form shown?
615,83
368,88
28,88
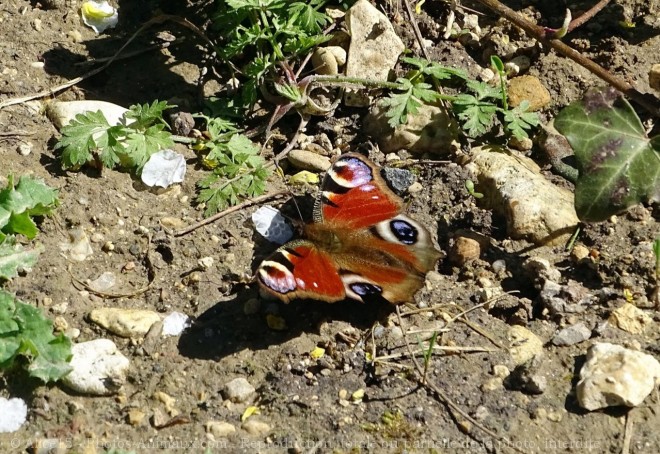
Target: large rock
374,48
124,322
430,130
98,368
614,375
534,208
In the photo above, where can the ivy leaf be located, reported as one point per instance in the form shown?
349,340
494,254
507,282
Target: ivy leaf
28,334
618,165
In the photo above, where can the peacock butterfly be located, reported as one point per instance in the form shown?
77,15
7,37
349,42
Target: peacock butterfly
359,246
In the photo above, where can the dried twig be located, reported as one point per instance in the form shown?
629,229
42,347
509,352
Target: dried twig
628,433
649,102
584,17
233,209
444,397
51,91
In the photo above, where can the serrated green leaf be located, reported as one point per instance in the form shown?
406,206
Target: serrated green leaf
518,120
14,258
477,117
408,102
618,165
27,333
81,138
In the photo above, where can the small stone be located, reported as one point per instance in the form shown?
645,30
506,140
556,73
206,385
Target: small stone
398,179
60,324
526,377
219,429
631,319
255,427
654,77
579,252
24,148
159,418
13,413
500,370
108,246
464,250
528,88
172,223
328,60
78,247
614,375
168,401
124,322
98,368
572,335
104,282
486,75
135,416
175,323
522,144
308,160
343,394
205,263
523,344
415,187
238,390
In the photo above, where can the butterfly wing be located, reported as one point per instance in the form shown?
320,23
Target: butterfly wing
354,195
300,269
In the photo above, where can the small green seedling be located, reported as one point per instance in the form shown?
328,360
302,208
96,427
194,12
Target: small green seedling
469,185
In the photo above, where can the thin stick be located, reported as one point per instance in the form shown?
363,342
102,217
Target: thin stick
418,33
579,21
649,102
233,209
628,433
51,91
444,397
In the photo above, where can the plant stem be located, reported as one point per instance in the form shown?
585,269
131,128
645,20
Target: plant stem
368,83
584,17
649,102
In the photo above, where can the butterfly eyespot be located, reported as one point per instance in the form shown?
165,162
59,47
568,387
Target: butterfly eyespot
404,231
365,289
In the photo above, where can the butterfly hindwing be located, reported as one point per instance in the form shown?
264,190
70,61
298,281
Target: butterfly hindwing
299,269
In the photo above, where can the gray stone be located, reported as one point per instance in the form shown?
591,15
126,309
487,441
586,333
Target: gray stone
572,335
238,390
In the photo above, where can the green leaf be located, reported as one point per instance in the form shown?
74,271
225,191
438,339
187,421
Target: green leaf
239,174
307,16
145,115
82,137
518,120
400,105
14,258
141,145
31,197
618,165
435,70
477,117
26,333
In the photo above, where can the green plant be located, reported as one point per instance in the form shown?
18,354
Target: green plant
477,111
656,252
21,202
89,138
618,165
28,341
262,33
238,169
469,185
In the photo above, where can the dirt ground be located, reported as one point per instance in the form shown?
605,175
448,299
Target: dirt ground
44,44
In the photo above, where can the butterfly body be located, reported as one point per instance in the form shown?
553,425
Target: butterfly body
359,246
